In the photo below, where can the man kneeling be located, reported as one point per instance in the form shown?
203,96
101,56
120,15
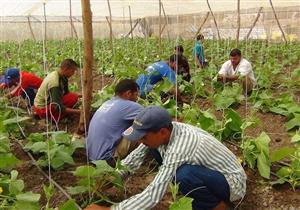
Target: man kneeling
203,167
238,69
110,121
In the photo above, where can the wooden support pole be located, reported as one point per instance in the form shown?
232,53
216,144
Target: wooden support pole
45,22
202,24
254,23
87,74
30,27
211,12
238,24
71,19
135,25
110,27
159,37
278,23
131,30
166,20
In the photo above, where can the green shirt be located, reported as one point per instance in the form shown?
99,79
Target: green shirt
52,89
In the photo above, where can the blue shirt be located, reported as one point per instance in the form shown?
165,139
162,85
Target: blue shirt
156,73
107,126
198,51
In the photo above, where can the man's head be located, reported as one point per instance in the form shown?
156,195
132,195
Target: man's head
235,56
12,76
174,60
127,89
199,37
68,67
179,50
152,127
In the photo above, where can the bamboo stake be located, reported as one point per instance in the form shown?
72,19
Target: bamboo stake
135,25
110,27
166,20
202,24
213,19
275,15
159,2
71,20
238,24
254,23
87,74
30,27
45,23
131,30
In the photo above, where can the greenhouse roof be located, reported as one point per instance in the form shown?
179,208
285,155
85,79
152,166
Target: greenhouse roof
120,8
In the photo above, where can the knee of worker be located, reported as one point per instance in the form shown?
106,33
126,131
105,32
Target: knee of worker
186,179
70,99
247,84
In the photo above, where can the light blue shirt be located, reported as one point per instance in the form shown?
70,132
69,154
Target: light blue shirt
156,72
107,126
198,51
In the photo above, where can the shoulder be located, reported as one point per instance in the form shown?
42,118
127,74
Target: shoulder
245,63
226,64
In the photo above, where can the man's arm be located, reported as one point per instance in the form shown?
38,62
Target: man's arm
224,78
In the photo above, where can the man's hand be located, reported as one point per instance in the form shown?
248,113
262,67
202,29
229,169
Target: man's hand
96,207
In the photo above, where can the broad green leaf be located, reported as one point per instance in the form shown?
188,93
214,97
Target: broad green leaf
84,171
281,153
69,205
16,186
102,166
15,120
294,122
296,138
263,165
37,147
22,205
77,190
28,197
61,137
184,203
36,137
8,161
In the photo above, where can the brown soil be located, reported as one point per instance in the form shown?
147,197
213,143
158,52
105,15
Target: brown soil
260,194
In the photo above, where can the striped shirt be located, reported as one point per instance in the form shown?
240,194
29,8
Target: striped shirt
187,145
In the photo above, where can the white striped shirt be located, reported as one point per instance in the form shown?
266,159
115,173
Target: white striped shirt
187,145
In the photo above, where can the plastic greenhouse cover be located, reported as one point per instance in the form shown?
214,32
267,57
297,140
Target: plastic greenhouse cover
139,8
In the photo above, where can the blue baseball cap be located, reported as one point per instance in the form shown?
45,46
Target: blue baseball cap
152,118
10,74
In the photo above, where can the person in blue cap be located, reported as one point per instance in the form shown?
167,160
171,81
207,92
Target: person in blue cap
204,168
105,141
25,84
156,72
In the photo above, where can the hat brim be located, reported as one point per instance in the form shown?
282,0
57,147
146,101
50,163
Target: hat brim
132,134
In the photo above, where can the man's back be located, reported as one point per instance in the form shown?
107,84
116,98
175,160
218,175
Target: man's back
107,125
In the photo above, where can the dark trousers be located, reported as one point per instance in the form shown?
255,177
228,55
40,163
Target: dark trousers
29,96
207,187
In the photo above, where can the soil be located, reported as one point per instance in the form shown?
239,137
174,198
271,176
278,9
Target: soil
260,194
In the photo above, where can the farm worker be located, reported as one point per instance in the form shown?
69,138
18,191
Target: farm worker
25,84
104,139
53,98
156,72
204,168
198,52
238,69
183,64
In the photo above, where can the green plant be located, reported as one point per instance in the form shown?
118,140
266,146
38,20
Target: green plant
228,97
179,203
12,195
256,153
93,178
8,160
57,151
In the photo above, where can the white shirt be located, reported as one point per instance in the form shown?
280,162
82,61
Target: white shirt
244,68
187,145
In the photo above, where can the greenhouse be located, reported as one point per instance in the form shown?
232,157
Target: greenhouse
149,104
